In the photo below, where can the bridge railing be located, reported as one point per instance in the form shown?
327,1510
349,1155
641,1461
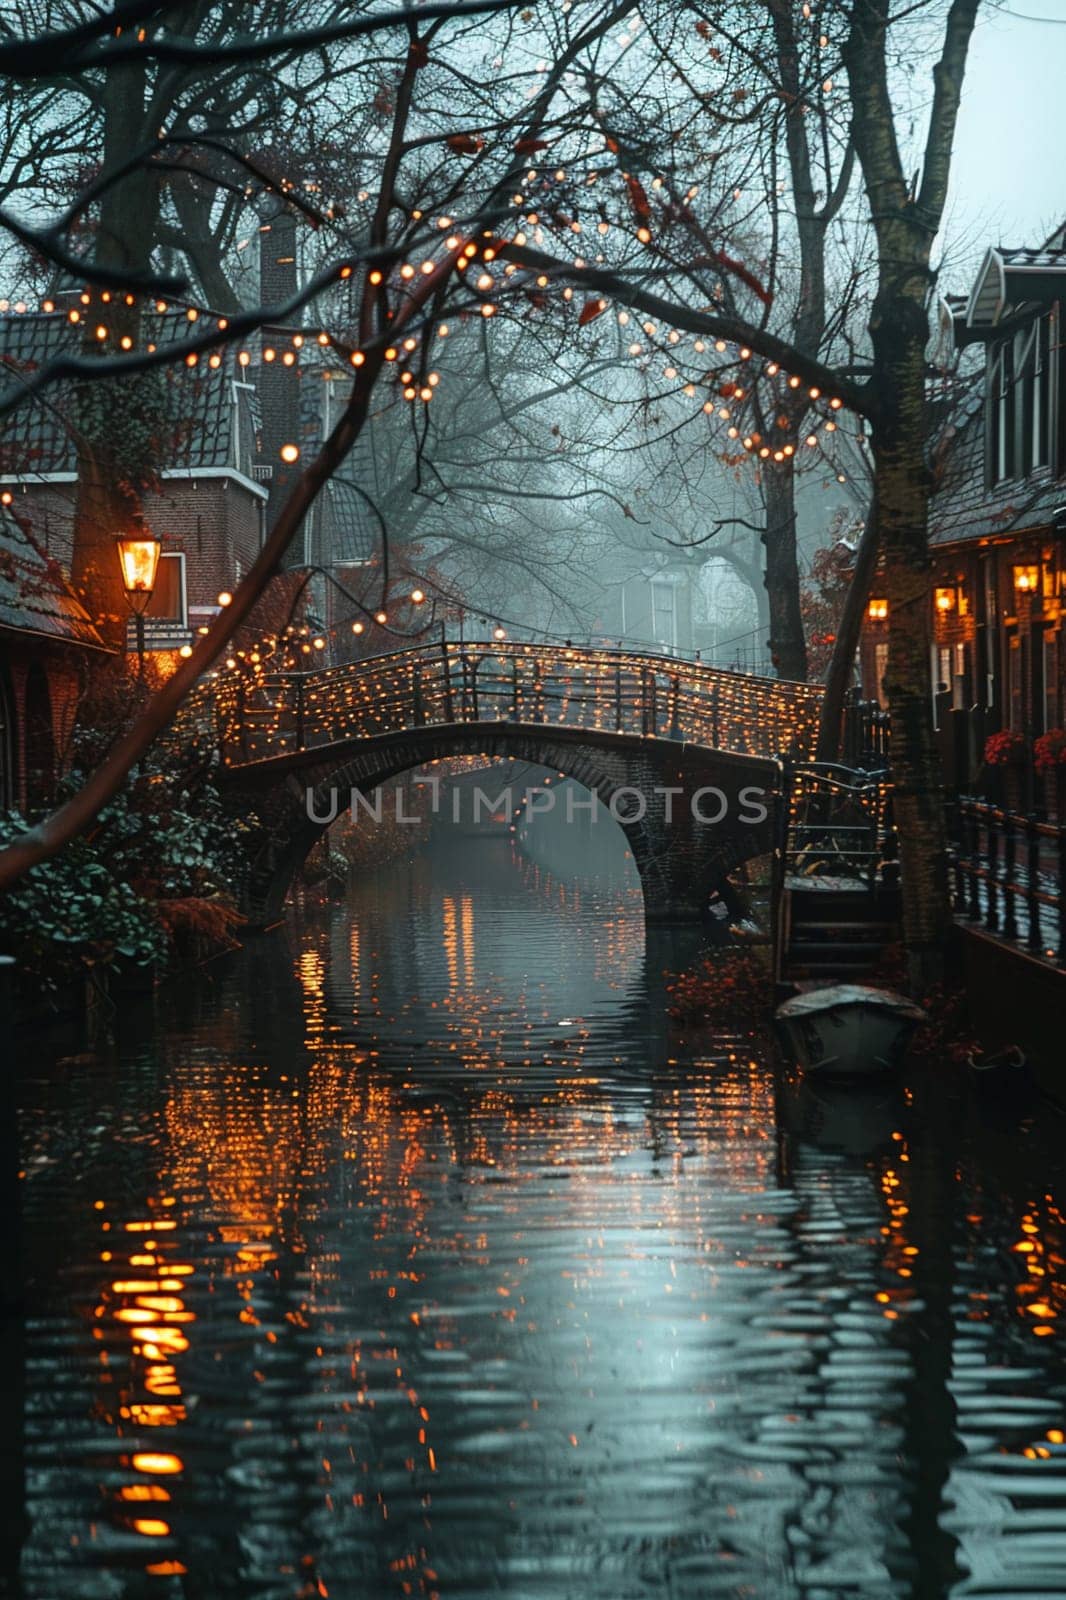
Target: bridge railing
255,718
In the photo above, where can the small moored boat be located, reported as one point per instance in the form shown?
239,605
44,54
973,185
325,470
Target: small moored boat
848,1030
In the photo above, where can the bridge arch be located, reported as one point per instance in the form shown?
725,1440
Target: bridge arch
690,815
612,719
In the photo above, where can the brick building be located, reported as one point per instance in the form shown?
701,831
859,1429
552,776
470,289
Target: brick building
998,517
45,637
207,506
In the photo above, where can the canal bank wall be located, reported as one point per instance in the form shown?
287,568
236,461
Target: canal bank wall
1015,998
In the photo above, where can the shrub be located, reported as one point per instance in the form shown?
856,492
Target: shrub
148,881
73,913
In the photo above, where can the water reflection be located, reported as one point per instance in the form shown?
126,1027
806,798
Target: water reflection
421,1257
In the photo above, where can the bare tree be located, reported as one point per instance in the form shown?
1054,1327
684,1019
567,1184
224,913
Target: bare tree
518,174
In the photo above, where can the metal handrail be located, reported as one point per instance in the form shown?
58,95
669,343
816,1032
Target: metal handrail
861,849
255,716
1002,877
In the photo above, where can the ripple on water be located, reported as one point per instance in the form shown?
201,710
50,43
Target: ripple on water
363,1275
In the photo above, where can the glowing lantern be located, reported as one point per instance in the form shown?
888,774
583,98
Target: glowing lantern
138,554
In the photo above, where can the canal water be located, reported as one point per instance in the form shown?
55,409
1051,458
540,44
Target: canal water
419,1253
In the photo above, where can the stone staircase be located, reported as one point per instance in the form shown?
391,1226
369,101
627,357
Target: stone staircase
837,935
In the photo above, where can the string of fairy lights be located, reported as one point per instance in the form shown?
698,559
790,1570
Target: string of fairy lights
301,646
259,714
95,314
104,318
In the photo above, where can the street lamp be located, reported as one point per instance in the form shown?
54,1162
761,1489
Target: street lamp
138,554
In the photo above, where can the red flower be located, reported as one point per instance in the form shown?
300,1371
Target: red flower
1006,749
1049,751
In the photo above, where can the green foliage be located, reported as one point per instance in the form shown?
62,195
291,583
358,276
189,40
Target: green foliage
73,912
162,842
165,833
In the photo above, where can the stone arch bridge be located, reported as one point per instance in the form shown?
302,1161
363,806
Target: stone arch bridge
686,756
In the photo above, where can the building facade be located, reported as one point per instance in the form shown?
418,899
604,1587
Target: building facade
998,519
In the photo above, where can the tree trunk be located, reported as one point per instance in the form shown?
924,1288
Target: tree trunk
788,647
899,329
906,217
846,643
125,232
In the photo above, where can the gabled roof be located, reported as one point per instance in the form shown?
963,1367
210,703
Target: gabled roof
35,598
349,532
37,437
962,506
1011,278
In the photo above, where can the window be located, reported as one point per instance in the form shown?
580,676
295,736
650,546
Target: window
1019,406
1051,681
664,613
880,668
1041,395
168,598
1005,414
39,740
959,688
1014,683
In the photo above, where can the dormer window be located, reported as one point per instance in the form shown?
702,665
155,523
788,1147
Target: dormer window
1018,401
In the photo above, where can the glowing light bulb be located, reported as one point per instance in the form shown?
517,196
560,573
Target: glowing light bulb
290,452
225,598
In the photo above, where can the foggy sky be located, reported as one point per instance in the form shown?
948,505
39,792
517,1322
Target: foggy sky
1006,185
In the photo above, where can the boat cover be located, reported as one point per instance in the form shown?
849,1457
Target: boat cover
814,1001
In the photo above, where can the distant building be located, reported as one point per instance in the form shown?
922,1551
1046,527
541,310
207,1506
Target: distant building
652,606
